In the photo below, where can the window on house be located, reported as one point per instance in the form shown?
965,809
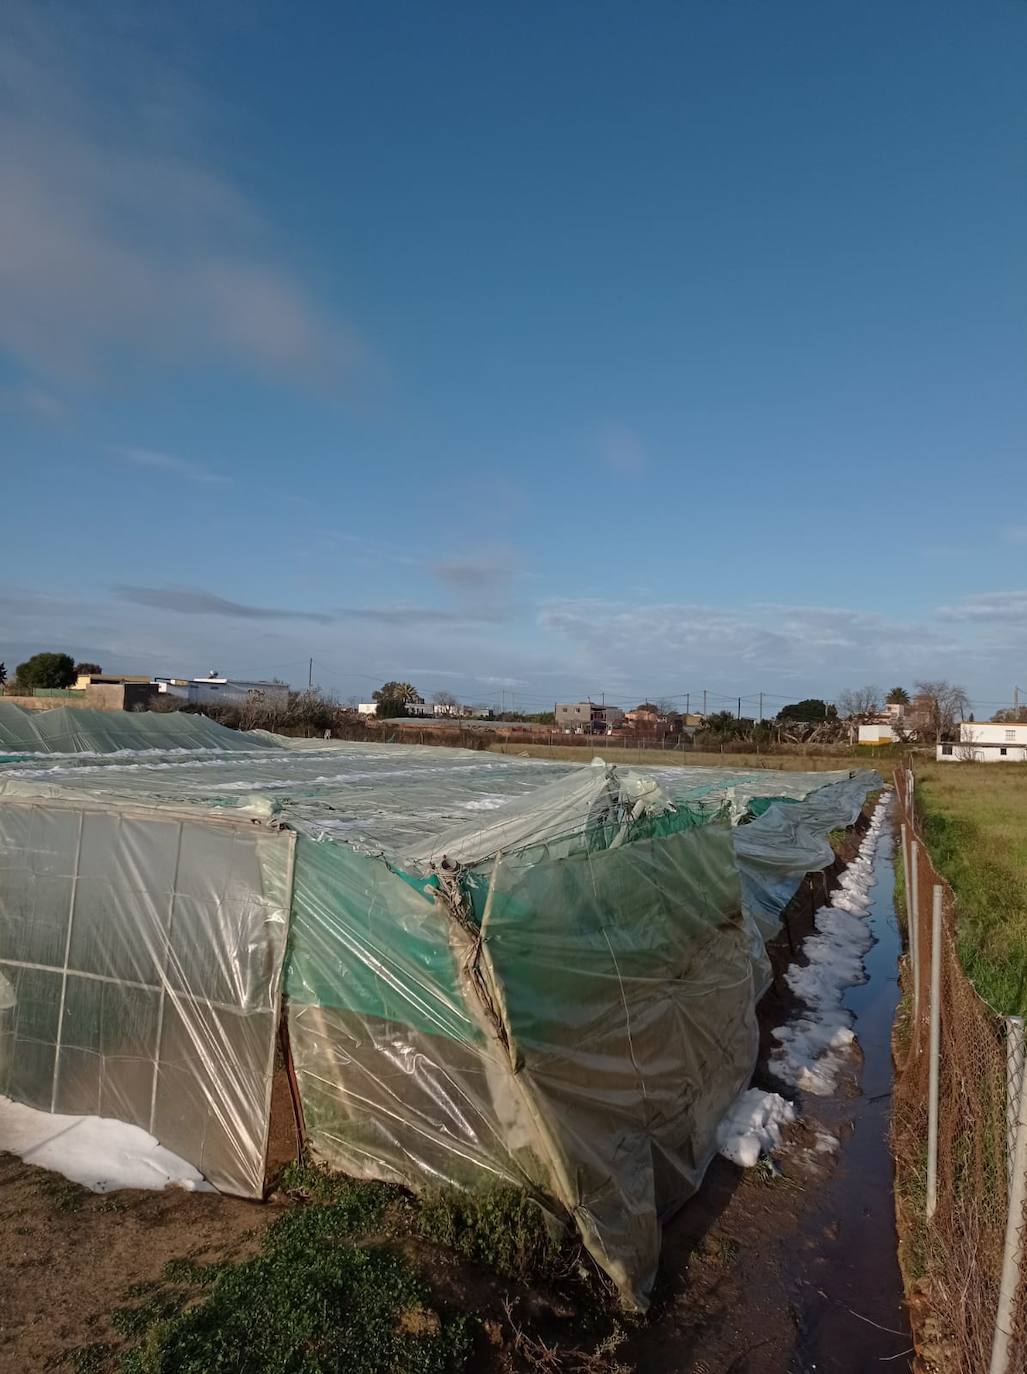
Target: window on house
946,748
1003,751
1010,734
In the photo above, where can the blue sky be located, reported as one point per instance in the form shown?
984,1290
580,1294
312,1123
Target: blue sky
534,349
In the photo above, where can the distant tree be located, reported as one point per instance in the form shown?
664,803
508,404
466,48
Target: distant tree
446,700
810,709
665,706
46,670
648,706
393,699
940,704
3,673
1010,715
87,668
898,696
859,703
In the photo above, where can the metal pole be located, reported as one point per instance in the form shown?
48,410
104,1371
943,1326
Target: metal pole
914,934
932,1099
904,835
1014,1075
1013,1246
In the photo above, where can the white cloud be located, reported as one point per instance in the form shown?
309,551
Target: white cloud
119,238
621,642
156,461
1007,607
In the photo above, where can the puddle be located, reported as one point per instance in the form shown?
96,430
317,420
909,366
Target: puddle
848,1305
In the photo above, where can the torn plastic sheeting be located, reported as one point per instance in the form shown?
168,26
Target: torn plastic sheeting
585,1046
789,840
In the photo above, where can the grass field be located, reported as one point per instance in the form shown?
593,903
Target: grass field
974,819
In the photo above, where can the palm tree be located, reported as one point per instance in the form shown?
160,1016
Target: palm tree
898,696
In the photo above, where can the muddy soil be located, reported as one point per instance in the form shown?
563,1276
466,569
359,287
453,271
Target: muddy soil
784,1270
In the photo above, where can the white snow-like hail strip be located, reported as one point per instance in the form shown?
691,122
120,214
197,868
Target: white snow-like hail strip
812,1047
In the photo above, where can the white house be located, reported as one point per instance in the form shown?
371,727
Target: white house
367,708
986,742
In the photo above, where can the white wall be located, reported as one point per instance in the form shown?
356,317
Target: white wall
992,732
876,734
981,753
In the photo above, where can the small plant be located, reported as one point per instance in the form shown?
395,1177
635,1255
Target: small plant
503,1229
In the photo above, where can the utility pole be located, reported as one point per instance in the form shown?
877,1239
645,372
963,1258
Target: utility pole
704,703
310,675
1016,698
739,716
761,708
688,698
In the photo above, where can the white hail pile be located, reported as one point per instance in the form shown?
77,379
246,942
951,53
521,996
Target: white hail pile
813,1047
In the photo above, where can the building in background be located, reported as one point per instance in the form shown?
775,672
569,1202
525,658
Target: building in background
215,689
986,742
586,717
877,732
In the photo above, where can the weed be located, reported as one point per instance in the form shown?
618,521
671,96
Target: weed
502,1228
312,1300
95,1358
62,1194
135,1321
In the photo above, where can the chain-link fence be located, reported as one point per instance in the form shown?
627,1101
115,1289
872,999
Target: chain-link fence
960,1155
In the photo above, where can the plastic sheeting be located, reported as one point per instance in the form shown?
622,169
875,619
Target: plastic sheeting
497,967
79,730
575,1023
790,839
140,968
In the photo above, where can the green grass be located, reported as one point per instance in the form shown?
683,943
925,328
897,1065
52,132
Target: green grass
501,1229
324,1296
974,822
333,1288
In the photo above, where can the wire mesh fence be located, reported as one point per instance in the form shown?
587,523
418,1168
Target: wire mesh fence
960,1284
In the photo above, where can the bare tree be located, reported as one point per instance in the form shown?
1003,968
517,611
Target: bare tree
446,699
940,704
859,704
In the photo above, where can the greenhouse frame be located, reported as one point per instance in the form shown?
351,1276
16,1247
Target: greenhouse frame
490,968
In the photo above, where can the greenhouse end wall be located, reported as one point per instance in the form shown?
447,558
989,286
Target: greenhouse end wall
142,956
585,1046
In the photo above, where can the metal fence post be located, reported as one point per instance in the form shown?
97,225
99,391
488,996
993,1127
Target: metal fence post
914,935
932,1101
1014,1076
1012,1255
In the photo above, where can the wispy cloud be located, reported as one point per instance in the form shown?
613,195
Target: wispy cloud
156,461
487,575
32,400
424,617
621,451
789,642
1010,607
121,238
190,601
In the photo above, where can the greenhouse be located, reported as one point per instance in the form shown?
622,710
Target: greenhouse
490,968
